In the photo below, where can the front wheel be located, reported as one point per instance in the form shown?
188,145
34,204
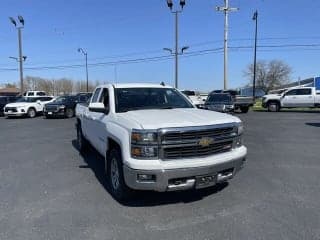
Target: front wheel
273,107
244,109
31,113
118,187
69,113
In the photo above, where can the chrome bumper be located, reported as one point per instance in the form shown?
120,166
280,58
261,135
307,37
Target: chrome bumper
182,178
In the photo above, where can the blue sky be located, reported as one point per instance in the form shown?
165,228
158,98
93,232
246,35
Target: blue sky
112,31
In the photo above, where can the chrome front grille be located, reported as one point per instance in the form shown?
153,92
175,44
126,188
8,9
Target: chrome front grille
196,150
180,143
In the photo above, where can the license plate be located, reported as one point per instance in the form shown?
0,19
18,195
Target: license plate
9,111
205,181
50,113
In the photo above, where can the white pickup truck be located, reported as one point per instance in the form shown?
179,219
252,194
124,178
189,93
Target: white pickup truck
153,138
292,98
26,106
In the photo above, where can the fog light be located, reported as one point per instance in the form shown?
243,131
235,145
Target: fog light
146,178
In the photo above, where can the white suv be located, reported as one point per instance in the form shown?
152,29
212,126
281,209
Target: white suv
29,106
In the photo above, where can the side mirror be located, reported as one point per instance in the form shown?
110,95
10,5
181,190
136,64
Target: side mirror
98,107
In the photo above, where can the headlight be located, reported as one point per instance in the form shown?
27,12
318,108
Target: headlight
237,141
240,128
144,144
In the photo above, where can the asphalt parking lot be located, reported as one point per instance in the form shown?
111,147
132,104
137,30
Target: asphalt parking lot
49,191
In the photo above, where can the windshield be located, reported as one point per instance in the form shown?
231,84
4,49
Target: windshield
189,93
219,98
63,99
128,99
25,99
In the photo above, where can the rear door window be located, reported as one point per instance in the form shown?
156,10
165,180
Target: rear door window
304,91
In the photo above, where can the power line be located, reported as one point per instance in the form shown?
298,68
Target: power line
302,47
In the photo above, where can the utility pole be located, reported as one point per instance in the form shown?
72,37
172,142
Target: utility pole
255,18
226,9
80,50
21,58
176,51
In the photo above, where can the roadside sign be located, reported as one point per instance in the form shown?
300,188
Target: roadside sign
317,83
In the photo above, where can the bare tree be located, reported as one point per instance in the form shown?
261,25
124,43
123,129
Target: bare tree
269,74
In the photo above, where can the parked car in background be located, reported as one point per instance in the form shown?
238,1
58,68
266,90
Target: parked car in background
83,97
242,103
220,102
4,100
195,98
34,93
26,106
64,106
153,138
292,98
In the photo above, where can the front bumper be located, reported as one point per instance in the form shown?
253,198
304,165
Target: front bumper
60,113
14,114
183,178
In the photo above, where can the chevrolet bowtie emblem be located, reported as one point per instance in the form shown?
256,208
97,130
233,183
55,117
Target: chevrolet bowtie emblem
206,141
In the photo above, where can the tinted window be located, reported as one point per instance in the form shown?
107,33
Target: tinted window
44,99
219,98
41,94
128,99
31,94
304,91
96,95
291,92
105,93
189,93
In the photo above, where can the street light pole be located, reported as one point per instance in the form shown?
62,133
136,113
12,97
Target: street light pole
21,58
86,59
226,9
255,18
176,52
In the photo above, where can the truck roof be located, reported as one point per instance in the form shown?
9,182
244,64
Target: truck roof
136,85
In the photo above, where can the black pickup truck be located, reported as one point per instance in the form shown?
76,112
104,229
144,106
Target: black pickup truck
242,103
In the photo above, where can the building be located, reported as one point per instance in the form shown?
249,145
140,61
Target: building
9,91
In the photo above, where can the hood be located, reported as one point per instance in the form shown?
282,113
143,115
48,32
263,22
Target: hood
18,104
55,104
165,118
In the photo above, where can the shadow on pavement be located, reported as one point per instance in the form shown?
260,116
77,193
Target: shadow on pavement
95,162
313,124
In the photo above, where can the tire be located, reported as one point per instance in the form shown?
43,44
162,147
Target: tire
273,107
118,188
31,113
244,109
69,113
81,141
